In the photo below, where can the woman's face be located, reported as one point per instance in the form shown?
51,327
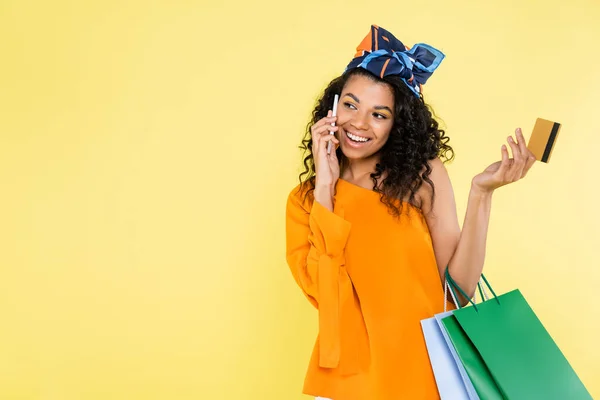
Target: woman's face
365,117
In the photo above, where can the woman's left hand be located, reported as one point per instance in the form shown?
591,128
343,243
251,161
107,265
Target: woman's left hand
508,170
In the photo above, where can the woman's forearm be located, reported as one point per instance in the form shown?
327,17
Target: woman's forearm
466,264
324,195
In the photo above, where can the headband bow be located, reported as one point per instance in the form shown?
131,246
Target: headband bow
382,54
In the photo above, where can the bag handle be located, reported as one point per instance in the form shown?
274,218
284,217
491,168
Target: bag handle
450,283
482,292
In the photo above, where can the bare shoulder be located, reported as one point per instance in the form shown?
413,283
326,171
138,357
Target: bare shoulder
441,181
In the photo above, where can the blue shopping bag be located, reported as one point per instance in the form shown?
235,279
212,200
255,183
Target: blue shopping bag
452,383
451,378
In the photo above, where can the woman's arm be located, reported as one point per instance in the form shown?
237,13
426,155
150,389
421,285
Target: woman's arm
316,239
466,263
441,216
463,252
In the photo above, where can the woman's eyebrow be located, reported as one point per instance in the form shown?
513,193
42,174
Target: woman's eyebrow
353,97
376,107
383,108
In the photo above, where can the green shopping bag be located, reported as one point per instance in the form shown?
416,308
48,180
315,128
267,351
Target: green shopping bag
502,338
479,375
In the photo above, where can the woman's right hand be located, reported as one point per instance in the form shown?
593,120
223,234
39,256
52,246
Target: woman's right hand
327,167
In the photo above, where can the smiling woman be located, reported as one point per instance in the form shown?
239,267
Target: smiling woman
379,122
366,242
356,132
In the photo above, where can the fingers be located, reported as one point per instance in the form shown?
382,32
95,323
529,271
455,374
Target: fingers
325,129
327,138
322,126
505,164
323,122
324,144
522,144
523,159
516,169
528,164
527,154
320,133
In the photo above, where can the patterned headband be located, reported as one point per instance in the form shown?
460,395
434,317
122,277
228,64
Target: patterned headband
382,54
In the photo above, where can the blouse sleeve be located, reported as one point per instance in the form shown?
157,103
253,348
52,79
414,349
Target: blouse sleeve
315,242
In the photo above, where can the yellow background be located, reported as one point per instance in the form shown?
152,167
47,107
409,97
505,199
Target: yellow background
147,149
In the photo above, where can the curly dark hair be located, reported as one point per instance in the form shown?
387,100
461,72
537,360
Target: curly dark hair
415,139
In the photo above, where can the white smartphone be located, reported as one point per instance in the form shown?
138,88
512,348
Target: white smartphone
336,98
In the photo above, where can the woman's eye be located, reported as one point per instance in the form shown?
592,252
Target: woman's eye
350,105
379,116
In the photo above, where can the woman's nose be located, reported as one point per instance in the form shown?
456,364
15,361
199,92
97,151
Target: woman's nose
360,122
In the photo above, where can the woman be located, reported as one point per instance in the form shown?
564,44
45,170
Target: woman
373,226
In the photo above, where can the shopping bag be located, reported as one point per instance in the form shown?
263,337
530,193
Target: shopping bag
448,379
451,379
504,340
469,360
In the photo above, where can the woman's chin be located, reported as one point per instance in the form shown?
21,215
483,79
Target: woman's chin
354,154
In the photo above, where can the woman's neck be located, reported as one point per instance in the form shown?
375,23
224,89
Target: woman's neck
357,170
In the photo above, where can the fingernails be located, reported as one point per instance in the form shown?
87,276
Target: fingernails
510,139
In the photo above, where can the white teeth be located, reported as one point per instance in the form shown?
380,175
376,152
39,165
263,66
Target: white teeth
357,138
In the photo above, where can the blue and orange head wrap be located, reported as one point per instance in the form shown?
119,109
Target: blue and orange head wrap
382,54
